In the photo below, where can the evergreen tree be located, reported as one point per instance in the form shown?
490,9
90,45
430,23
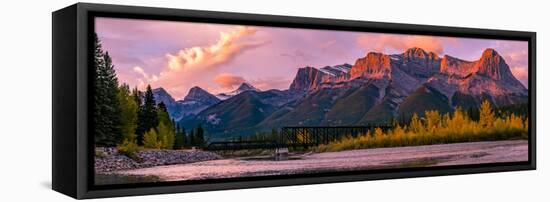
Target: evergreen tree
162,107
199,139
168,131
191,138
181,137
147,115
107,120
136,94
185,139
274,135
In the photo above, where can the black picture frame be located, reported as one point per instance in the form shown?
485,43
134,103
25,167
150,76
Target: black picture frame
72,161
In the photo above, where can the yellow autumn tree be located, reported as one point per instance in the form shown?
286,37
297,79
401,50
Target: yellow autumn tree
459,121
416,125
486,114
150,140
166,136
433,120
514,122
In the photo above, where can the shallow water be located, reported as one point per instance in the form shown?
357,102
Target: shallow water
364,159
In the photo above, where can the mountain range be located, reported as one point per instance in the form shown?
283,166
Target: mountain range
375,89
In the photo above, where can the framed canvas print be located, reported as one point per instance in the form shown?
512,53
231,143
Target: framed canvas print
155,100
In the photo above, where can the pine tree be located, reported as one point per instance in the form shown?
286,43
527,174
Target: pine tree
181,137
191,138
199,140
147,115
136,95
162,107
185,139
169,129
274,135
107,120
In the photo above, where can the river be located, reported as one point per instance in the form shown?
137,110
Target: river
417,156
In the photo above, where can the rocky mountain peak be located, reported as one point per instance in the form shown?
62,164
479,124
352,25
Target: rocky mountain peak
454,66
307,78
491,64
242,88
416,52
160,90
372,65
246,87
489,52
419,54
198,94
162,95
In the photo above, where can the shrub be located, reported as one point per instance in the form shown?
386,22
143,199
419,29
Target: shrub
128,148
150,140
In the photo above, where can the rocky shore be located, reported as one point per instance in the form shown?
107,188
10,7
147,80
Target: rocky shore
108,159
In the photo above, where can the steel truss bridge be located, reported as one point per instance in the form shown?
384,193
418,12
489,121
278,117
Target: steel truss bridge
298,137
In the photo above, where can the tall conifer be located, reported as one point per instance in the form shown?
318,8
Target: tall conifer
107,120
147,115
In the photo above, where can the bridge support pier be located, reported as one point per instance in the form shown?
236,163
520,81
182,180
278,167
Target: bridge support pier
281,154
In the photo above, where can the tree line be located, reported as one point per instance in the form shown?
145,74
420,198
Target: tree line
129,118
441,128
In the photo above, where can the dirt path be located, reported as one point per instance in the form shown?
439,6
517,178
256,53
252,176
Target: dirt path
432,155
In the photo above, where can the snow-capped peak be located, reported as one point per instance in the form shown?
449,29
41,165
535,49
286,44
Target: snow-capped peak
242,88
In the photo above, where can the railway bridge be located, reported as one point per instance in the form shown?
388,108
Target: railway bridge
298,137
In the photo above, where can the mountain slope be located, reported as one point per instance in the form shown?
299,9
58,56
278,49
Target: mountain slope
424,99
360,100
233,115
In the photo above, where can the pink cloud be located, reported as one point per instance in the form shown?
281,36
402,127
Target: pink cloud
224,50
521,74
196,66
228,81
145,78
395,42
516,55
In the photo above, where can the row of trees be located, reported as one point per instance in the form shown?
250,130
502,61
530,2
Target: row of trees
131,118
473,112
437,128
195,138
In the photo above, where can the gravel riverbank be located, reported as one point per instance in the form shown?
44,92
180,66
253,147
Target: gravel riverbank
108,159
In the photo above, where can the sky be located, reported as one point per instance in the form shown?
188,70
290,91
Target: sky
218,58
